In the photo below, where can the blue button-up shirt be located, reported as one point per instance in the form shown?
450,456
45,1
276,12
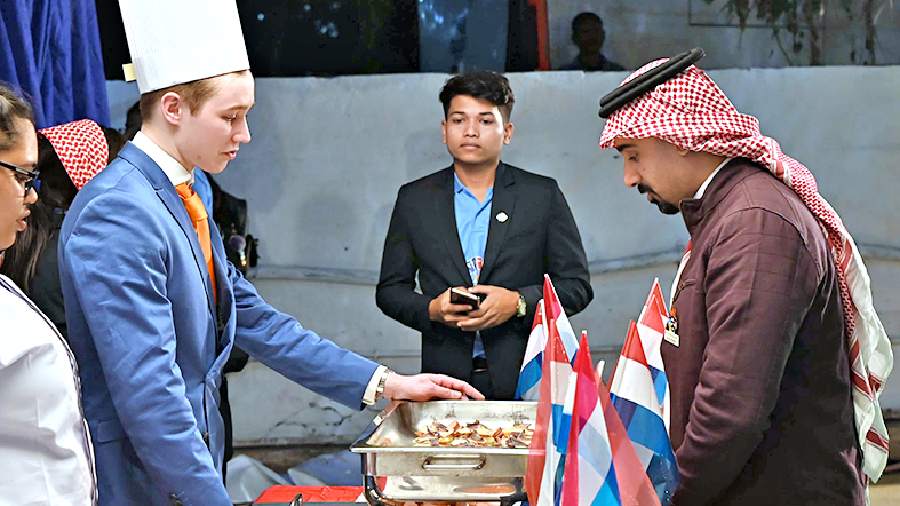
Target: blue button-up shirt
472,221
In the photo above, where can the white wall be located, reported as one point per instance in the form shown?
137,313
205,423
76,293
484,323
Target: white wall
328,155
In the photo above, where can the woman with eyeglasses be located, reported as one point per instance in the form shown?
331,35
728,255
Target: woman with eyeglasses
45,449
69,156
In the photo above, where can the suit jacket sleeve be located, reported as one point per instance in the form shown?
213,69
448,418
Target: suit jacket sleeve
760,283
565,261
280,341
132,328
395,294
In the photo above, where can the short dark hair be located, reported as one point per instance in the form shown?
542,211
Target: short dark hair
133,121
114,140
585,16
12,107
481,84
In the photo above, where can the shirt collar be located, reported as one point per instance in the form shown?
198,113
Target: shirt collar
457,184
176,172
705,184
459,187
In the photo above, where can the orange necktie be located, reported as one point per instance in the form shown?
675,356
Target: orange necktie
197,211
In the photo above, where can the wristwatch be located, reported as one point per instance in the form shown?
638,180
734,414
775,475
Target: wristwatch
379,389
522,307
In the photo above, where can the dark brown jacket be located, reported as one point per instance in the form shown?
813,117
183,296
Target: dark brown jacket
760,382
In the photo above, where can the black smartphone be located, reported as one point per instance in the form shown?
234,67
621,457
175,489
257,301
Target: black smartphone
464,297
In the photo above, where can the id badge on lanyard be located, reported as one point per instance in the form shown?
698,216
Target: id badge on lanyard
671,334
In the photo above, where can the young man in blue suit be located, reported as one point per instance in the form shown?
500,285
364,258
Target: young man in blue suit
152,304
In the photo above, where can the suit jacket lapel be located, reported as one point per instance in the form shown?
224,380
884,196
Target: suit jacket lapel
223,285
504,202
445,214
167,195
219,259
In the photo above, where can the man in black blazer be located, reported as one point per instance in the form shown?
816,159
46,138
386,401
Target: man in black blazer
484,226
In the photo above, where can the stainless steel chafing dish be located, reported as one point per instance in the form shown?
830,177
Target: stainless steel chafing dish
445,473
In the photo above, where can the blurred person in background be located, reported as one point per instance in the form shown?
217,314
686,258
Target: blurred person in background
589,35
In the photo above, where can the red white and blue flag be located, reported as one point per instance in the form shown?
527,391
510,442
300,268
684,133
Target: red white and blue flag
546,460
640,393
528,387
549,308
555,311
602,467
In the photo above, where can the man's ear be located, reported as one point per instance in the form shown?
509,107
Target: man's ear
444,131
172,107
508,130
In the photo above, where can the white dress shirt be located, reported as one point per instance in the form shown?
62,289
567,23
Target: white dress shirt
712,175
173,169
46,456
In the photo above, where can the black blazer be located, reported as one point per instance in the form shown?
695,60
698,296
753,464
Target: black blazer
539,237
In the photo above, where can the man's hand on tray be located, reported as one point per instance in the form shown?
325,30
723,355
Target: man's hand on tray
426,387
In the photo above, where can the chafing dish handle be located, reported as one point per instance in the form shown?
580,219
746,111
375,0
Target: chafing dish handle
373,495
454,462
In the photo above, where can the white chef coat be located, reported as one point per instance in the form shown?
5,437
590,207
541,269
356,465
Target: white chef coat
46,456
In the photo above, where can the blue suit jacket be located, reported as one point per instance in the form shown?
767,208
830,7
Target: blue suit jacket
142,323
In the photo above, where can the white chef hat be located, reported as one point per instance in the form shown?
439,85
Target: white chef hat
177,41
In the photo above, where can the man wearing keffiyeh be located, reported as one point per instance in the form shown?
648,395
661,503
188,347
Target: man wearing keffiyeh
778,358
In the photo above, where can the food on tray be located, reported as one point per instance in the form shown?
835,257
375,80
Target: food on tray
474,434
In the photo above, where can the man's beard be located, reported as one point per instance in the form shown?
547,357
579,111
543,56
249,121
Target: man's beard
664,207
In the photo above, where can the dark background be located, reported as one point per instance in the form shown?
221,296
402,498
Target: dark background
288,38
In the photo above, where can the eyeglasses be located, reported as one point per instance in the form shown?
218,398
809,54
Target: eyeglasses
27,178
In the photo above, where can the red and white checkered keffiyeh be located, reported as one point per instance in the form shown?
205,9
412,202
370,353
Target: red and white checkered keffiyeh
691,112
81,147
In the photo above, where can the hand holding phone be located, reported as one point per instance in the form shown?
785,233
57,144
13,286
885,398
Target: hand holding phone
465,297
450,309
498,306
